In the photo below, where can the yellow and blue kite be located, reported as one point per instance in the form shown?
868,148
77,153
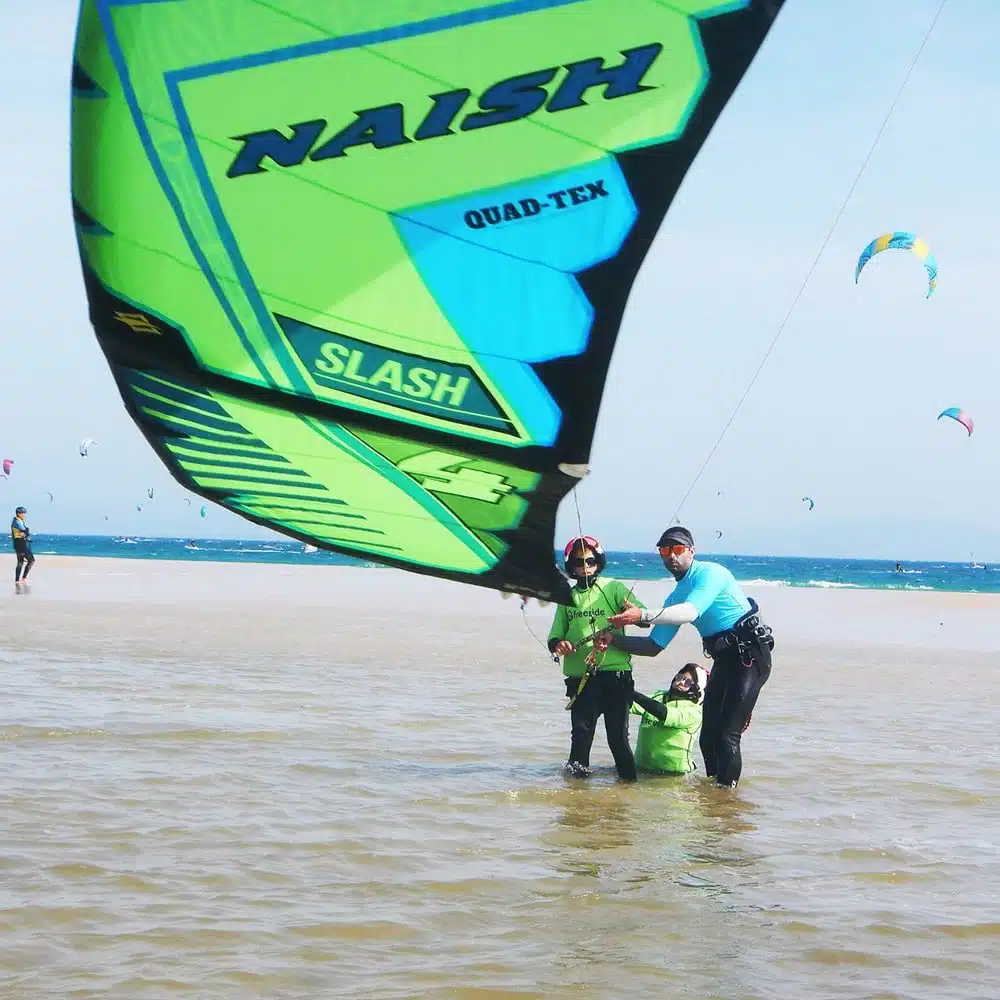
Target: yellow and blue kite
901,241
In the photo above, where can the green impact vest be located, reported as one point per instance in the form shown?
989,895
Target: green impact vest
591,608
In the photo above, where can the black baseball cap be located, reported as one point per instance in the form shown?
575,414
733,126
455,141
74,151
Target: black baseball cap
676,536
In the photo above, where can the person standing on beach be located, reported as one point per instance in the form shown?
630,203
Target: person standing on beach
708,597
20,535
597,684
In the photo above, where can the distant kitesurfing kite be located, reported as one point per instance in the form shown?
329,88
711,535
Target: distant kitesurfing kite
901,241
956,413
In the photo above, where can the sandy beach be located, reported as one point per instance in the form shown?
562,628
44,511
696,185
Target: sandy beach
225,780
276,608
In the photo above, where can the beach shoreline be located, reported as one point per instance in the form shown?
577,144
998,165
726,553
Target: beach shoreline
645,566
259,597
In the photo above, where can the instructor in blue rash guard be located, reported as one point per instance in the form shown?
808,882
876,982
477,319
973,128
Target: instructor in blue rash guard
708,597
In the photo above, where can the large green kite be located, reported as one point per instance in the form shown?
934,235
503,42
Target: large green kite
358,266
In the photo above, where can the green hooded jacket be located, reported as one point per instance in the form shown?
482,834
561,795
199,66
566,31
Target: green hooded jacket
667,747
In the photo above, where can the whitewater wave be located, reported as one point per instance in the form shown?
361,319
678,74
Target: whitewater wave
264,548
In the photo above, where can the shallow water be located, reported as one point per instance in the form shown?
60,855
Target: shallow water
382,814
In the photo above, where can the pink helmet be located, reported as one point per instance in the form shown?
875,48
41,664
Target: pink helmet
585,542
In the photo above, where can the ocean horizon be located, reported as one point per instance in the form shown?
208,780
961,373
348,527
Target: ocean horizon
778,571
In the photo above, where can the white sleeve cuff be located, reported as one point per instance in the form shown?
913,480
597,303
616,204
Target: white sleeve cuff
678,614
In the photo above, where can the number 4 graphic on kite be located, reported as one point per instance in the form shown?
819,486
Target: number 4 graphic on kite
443,472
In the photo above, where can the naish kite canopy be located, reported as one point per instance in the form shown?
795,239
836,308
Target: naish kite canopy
358,267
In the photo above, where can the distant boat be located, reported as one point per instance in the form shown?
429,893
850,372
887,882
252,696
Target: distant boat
309,548
973,564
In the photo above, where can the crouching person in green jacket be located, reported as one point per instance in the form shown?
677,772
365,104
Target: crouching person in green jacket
670,723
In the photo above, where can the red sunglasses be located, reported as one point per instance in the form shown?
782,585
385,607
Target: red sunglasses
673,550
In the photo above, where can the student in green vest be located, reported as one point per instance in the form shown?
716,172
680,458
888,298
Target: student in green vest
598,683
670,722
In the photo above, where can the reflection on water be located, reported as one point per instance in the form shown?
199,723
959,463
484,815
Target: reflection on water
237,826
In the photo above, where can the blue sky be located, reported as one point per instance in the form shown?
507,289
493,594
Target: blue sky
845,408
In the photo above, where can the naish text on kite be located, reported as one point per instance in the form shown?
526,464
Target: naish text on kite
510,100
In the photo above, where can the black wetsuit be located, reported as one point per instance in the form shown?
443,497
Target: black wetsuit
20,535
738,674
607,693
